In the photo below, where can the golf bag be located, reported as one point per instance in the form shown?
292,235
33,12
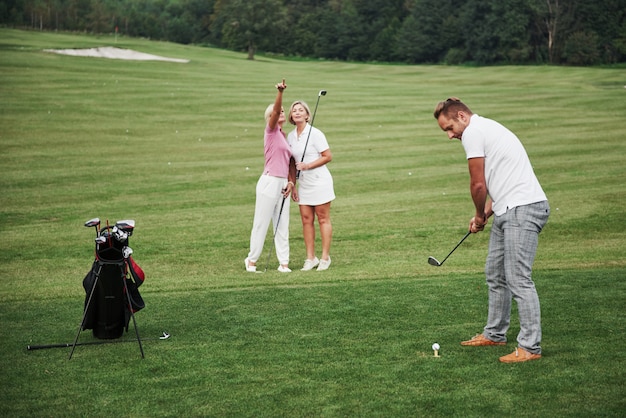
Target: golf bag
112,285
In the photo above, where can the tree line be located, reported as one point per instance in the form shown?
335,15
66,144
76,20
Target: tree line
480,32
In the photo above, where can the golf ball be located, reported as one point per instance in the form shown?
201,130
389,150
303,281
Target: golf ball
436,346
247,168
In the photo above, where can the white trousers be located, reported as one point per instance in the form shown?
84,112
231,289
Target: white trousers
269,201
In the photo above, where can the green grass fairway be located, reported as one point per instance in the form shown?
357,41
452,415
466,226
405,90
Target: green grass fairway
178,148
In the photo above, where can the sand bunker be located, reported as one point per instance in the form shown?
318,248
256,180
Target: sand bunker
114,53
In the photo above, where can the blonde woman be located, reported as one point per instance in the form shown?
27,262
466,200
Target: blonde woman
273,189
315,183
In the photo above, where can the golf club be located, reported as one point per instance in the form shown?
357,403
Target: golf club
126,252
163,336
95,222
119,234
269,254
127,225
320,94
108,230
433,261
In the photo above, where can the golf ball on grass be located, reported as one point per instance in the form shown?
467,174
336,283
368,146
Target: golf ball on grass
436,348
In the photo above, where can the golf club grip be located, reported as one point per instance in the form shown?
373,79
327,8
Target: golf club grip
305,147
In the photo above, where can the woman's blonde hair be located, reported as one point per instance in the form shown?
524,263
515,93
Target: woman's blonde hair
268,112
304,105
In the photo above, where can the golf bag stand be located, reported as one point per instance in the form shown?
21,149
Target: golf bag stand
111,286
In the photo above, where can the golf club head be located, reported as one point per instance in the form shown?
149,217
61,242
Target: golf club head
119,234
322,93
164,336
127,252
92,222
433,261
126,224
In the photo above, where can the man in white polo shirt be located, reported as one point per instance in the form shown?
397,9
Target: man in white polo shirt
503,184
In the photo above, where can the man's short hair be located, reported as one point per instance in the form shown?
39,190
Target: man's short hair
450,107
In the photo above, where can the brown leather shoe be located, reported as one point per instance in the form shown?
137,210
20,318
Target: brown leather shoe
480,340
519,355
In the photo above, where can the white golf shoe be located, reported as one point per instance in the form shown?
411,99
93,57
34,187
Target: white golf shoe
249,268
310,264
324,264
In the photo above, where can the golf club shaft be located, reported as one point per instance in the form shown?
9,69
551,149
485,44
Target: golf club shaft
457,246
320,94
269,254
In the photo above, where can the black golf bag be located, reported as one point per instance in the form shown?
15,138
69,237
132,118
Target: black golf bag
112,284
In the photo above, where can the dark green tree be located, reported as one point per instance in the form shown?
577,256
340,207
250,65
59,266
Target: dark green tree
555,20
582,49
301,38
432,28
98,18
496,31
76,14
382,48
350,39
620,40
602,19
251,24
375,23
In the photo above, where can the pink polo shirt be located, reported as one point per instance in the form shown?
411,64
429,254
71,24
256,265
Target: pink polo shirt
277,153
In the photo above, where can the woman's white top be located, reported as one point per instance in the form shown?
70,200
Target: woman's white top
315,186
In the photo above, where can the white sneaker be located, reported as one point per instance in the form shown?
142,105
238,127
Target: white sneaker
249,268
310,264
284,269
324,264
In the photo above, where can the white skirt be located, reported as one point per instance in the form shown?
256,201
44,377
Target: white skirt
315,187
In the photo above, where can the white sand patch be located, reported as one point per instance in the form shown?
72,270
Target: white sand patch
113,53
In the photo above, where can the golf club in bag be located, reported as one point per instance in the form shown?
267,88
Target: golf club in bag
112,285
320,94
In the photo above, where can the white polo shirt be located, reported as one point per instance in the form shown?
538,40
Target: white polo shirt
510,178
